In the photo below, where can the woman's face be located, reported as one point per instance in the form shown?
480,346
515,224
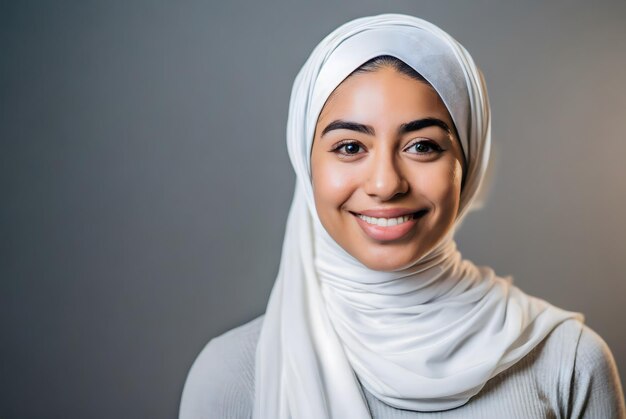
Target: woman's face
386,168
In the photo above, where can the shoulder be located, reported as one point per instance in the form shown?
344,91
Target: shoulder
579,346
577,361
592,354
220,382
587,353
595,385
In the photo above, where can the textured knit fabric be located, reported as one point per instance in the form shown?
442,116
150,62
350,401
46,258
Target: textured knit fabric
571,374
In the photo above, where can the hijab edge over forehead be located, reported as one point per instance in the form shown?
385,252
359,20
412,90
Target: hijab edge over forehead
428,60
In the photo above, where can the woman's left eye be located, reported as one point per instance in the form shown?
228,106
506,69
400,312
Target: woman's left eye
424,147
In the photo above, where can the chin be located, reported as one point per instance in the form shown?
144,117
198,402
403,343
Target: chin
383,261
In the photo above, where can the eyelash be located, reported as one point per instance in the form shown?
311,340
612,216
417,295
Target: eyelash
435,148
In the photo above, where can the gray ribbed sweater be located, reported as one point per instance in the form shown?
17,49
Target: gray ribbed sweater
571,374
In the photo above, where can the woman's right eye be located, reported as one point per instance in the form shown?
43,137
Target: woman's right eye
348,148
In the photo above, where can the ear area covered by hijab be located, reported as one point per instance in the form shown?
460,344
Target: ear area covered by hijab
444,326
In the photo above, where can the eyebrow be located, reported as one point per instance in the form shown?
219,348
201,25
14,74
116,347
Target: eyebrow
415,125
352,126
419,124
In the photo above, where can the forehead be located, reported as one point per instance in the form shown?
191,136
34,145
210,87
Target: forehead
385,95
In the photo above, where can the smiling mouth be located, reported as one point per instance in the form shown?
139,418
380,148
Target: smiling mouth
392,221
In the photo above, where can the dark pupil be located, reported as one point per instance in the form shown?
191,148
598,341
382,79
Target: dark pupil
352,148
420,147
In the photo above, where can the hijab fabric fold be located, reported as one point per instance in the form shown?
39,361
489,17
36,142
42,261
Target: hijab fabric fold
425,338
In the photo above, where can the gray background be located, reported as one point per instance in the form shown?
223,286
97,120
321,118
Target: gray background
145,182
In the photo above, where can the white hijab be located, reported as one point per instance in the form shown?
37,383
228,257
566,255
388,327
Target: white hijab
425,338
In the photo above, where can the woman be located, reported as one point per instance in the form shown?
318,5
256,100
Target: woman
374,313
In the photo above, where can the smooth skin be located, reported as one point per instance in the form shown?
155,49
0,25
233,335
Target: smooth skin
366,157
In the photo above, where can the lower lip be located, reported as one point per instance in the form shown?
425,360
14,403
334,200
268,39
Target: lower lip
387,233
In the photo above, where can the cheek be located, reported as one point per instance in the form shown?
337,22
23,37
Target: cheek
333,184
441,185
332,187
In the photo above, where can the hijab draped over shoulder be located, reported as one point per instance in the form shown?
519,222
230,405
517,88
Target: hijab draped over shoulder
425,338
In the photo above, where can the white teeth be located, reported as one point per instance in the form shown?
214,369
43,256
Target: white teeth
385,222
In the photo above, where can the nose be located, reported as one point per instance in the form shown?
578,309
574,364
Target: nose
385,179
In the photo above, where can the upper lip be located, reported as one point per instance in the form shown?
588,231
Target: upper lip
387,212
